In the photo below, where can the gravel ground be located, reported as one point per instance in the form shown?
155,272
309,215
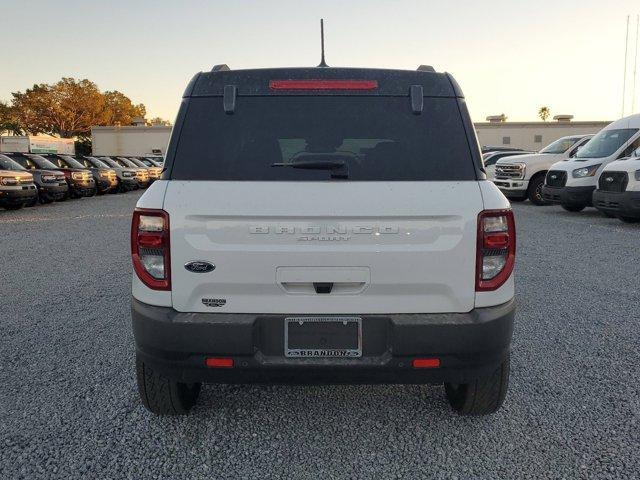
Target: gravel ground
69,406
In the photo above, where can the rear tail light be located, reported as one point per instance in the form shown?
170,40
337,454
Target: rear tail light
150,250
496,250
323,84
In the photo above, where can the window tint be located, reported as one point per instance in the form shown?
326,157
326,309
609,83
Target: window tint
378,138
7,163
42,162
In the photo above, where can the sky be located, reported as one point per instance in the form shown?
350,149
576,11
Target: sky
509,56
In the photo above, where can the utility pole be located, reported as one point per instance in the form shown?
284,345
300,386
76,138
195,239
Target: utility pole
624,76
635,68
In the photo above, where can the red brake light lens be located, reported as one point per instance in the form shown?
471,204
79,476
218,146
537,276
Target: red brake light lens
496,249
150,248
323,84
426,363
219,362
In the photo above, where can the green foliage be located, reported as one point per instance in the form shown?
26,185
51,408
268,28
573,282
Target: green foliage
544,113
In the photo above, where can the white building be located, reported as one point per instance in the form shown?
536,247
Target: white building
130,140
531,135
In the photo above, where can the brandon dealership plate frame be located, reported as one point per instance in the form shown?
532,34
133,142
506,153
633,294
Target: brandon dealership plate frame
328,352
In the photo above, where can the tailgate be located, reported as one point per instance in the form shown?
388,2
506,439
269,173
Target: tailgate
324,247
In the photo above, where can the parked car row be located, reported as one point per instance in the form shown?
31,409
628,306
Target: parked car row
27,179
601,170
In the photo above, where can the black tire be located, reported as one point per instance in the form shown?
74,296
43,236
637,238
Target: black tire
630,219
517,199
33,202
163,396
534,192
574,208
607,214
481,397
14,207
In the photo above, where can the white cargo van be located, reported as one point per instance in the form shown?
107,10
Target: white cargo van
618,192
572,183
323,225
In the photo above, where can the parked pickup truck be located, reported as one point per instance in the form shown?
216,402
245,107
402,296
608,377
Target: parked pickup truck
323,225
522,178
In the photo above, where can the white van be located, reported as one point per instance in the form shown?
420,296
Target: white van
521,178
572,183
618,192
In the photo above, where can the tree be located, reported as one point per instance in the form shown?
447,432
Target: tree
544,113
159,121
120,110
8,121
66,109
70,107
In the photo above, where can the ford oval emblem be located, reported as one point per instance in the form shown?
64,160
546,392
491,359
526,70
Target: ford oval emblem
199,266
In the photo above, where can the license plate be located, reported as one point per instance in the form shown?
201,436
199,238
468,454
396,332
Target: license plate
317,337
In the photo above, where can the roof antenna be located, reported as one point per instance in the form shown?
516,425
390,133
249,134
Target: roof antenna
322,62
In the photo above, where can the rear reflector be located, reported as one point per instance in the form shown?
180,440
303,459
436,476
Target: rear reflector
426,363
323,84
217,362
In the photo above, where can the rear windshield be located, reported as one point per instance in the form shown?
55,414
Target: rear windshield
375,138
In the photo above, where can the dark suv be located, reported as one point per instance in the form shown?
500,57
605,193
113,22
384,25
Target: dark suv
104,178
142,173
51,184
128,176
153,170
80,180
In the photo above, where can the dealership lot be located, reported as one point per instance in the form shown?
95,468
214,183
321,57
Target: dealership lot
69,406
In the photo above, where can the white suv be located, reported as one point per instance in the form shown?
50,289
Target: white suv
522,177
572,183
323,225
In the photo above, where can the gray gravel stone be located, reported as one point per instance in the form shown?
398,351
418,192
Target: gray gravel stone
69,405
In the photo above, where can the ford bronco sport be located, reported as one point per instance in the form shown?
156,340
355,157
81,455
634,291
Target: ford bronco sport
323,225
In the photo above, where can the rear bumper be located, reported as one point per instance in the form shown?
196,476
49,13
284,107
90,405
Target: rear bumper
572,196
17,195
468,345
625,204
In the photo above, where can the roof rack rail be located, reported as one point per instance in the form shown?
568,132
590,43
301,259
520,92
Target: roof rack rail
223,67
426,68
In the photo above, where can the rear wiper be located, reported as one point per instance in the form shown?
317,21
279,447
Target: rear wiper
339,168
